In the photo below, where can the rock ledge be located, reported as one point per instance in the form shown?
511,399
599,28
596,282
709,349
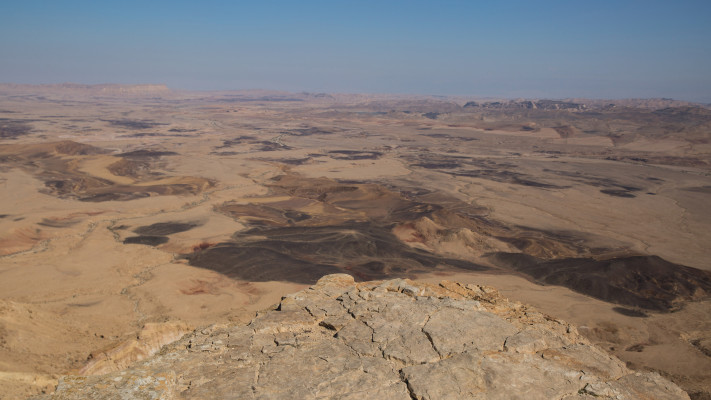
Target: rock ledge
395,339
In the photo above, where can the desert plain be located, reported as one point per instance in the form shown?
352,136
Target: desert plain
130,215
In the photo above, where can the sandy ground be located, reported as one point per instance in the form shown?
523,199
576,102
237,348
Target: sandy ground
77,277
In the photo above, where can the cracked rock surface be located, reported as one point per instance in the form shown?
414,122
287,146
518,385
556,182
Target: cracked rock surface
390,340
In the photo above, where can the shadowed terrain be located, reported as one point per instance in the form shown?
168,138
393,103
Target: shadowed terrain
354,229
646,282
304,254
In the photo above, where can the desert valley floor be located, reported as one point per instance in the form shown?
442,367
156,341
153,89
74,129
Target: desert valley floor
130,215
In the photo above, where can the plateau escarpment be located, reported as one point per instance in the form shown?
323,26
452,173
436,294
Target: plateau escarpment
394,339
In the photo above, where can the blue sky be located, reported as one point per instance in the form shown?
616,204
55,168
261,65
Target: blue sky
554,49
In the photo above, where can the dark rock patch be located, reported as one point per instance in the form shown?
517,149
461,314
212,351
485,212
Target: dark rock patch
609,186
296,216
13,128
630,312
431,115
295,161
308,131
57,223
353,230
352,234
114,196
71,148
564,131
143,153
133,124
703,346
506,177
354,155
699,189
246,99
639,347
447,136
256,264
147,240
63,178
165,228
618,193
497,171
154,134
181,130
237,141
266,145
435,165
263,214
288,161
646,282
304,254
133,167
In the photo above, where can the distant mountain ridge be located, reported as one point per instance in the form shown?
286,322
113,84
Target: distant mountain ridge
109,89
450,103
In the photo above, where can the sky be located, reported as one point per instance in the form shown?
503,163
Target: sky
531,49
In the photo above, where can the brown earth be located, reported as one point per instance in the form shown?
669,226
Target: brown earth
122,212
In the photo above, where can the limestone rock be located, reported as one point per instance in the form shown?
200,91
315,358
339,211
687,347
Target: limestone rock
395,339
150,339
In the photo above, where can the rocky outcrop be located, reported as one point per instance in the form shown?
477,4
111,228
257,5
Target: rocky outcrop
394,339
149,340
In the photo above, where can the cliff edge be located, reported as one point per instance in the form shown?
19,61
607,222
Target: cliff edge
393,339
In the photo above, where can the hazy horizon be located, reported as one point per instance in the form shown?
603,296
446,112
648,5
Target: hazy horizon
514,49
472,97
